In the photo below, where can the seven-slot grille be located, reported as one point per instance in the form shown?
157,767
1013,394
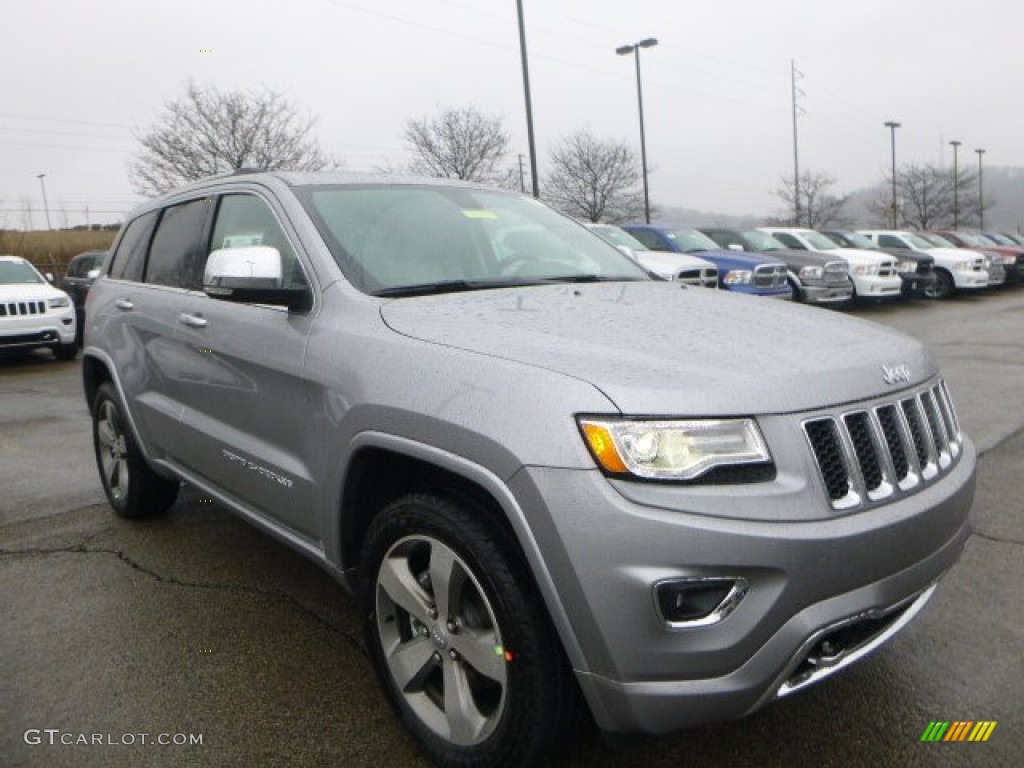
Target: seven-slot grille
705,278
15,308
869,454
770,275
836,272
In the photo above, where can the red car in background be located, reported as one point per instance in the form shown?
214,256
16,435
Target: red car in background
1012,255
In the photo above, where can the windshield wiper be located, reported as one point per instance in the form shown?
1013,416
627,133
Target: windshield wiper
448,286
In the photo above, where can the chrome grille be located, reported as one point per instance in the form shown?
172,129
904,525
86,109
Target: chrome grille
871,453
15,308
703,278
770,275
887,269
836,272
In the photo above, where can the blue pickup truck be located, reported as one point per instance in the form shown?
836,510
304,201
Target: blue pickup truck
756,274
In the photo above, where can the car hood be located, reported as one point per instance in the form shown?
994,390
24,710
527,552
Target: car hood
662,349
13,292
795,258
737,259
669,262
858,256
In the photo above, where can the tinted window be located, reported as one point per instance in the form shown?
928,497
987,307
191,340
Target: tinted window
648,238
177,256
247,220
130,257
888,241
788,240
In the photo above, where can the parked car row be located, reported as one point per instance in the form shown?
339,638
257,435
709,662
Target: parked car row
832,267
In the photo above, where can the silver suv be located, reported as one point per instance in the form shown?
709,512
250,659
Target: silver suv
551,481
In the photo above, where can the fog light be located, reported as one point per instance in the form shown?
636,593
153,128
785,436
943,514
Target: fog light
698,602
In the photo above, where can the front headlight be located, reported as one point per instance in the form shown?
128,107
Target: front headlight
866,269
673,450
963,266
812,273
1009,260
906,266
58,301
737,277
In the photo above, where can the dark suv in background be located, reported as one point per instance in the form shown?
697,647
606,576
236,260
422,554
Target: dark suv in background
82,271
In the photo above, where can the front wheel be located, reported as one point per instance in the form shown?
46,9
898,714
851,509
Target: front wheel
132,488
66,351
460,640
943,286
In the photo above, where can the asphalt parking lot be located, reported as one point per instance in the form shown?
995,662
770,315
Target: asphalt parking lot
196,624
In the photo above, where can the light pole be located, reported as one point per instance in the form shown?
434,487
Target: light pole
956,185
46,205
529,107
625,50
892,126
981,193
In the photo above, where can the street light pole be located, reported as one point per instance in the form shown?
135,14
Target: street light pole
892,126
981,193
46,205
625,50
529,106
956,186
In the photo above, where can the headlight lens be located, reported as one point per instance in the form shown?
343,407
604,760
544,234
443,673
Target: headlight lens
737,277
58,301
866,269
812,273
906,266
673,450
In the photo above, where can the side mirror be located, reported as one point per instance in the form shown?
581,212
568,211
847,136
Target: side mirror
92,274
251,275
736,247
49,277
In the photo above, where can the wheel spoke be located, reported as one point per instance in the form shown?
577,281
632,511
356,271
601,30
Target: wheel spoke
480,649
122,475
106,433
398,583
411,663
465,722
446,580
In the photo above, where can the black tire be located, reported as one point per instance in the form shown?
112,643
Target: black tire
524,704
133,489
66,351
794,291
943,287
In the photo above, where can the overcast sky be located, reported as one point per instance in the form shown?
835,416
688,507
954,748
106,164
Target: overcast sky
78,78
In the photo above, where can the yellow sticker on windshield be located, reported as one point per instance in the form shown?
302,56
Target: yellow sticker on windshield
480,213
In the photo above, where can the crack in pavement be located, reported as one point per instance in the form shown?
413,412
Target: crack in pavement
997,539
82,549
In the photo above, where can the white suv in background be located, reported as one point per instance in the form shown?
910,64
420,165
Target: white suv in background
874,275
955,268
32,312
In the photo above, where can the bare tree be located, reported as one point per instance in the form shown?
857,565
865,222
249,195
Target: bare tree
818,206
924,197
460,143
594,180
209,131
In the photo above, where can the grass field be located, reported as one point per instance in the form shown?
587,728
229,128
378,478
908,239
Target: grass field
51,251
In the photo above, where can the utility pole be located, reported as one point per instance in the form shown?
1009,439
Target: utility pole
625,50
522,177
981,193
956,185
892,126
46,205
529,104
793,74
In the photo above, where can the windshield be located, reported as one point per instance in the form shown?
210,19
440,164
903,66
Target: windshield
819,242
999,239
917,242
762,241
18,273
857,240
971,239
617,236
692,241
938,240
394,240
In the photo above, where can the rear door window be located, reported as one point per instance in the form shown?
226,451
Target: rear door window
178,254
130,258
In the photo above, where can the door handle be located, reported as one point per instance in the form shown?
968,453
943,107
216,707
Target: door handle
124,304
193,321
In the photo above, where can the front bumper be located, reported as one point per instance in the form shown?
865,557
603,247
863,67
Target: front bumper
44,330
970,280
877,287
606,551
826,294
915,284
